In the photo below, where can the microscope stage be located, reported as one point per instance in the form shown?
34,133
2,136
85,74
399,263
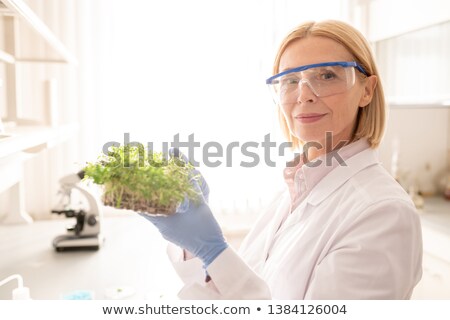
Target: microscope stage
71,242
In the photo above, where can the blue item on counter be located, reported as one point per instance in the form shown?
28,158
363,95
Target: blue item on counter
78,295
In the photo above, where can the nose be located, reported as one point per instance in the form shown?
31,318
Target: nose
306,92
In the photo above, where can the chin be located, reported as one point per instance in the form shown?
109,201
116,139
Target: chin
309,136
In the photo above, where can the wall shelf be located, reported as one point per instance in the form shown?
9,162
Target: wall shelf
25,39
418,105
6,57
32,139
434,102
18,8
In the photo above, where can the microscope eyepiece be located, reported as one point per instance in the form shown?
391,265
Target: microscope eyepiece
81,174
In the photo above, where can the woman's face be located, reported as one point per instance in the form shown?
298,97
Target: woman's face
311,117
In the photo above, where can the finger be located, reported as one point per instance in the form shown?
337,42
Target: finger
183,206
195,175
156,220
202,198
153,219
204,188
176,153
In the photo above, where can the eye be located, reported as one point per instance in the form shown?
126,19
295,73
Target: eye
327,75
289,81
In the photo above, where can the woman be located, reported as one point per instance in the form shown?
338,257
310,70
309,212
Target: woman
344,228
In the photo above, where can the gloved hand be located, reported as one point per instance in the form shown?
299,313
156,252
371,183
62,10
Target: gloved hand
193,227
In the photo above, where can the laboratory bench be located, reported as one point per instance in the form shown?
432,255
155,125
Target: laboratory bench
435,221
133,257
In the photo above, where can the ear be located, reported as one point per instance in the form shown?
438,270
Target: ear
370,83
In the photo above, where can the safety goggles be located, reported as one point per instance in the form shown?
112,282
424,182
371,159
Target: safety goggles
323,79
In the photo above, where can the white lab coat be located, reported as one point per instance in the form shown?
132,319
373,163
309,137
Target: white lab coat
357,235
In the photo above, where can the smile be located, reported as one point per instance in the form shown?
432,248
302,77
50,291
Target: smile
309,117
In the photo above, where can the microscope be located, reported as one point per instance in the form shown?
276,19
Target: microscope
86,233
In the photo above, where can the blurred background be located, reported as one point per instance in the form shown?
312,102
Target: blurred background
77,74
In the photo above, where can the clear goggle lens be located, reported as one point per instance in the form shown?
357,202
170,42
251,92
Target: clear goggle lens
323,81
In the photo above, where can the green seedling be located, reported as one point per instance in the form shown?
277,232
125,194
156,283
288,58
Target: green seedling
135,179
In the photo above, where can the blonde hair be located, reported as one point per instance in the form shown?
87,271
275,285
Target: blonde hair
370,119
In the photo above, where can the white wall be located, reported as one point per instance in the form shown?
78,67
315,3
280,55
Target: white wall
400,16
414,68
420,136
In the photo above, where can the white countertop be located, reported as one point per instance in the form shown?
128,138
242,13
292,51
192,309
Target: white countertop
435,220
134,254
436,214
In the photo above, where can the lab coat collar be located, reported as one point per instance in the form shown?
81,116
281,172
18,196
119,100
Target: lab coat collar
339,175
302,178
313,174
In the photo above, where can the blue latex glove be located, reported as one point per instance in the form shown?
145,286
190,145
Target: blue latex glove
193,227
